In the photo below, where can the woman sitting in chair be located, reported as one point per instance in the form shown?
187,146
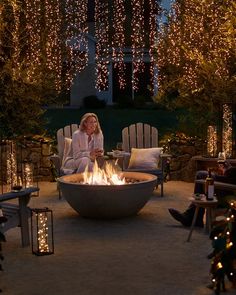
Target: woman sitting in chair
87,144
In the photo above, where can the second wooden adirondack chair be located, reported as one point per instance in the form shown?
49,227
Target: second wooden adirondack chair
141,140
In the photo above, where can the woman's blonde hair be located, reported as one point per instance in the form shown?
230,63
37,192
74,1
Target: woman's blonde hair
85,117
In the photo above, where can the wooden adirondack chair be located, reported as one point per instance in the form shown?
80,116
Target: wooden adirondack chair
62,133
141,135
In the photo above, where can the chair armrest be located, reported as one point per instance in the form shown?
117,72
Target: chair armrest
126,159
219,185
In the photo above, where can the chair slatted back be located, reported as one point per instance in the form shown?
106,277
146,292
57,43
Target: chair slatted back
67,131
139,135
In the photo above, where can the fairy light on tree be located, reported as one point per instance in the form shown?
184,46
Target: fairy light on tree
138,43
196,51
168,44
227,130
153,37
16,36
34,27
11,165
118,40
212,141
52,40
102,44
76,37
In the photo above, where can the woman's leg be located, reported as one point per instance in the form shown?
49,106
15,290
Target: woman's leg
82,163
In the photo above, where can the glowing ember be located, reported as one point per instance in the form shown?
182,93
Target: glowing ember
107,176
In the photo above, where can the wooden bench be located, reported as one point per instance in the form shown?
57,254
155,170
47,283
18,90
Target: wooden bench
220,185
17,215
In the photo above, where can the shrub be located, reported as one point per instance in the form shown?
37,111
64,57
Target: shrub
139,101
92,102
125,101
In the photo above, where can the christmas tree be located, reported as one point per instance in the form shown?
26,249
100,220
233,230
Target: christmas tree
223,263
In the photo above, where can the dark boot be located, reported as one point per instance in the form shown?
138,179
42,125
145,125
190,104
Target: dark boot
186,218
179,217
189,213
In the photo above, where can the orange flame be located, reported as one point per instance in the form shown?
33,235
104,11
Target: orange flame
107,176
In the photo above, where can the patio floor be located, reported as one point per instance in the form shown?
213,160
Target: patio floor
142,255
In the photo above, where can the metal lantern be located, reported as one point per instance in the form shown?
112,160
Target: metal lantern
42,240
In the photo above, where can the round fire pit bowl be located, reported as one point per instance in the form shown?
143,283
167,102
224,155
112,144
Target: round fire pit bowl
108,201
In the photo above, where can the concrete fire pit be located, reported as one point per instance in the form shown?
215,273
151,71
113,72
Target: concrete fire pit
108,201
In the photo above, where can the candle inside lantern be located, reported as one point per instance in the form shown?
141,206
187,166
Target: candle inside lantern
28,174
42,231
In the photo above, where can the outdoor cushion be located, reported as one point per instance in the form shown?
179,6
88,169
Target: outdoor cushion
144,158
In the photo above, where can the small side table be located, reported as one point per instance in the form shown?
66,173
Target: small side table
210,212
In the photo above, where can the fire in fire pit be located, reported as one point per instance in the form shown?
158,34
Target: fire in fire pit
107,176
110,195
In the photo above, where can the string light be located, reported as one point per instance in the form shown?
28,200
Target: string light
137,37
56,39
194,41
16,37
42,240
224,259
212,141
33,14
153,36
76,37
118,41
28,174
42,233
102,44
219,265
11,165
227,130
52,40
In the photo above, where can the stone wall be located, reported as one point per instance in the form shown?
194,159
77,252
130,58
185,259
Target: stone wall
39,154
182,164
27,151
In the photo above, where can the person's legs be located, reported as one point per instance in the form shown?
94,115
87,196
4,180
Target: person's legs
82,163
187,216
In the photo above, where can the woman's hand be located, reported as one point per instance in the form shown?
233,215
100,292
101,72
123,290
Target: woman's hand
96,153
